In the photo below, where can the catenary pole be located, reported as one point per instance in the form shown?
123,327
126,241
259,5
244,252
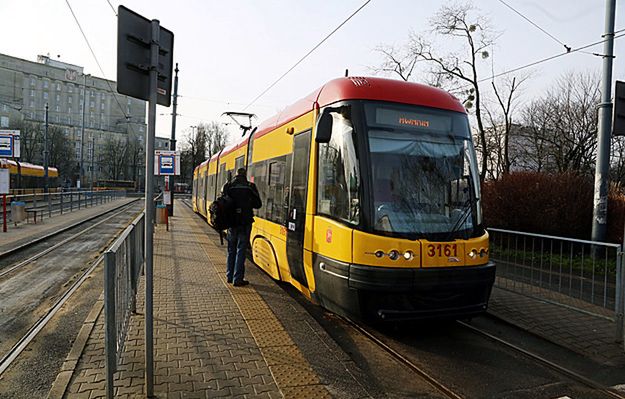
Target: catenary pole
602,168
173,141
45,154
149,212
92,158
82,131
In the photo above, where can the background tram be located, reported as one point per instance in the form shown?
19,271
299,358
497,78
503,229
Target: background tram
371,201
28,178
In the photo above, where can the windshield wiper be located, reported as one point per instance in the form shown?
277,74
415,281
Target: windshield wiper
465,214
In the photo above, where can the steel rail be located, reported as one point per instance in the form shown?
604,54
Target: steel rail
448,392
563,370
57,232
15,351
10,269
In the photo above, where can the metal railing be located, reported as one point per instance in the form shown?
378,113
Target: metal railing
123,262
585,276
62,202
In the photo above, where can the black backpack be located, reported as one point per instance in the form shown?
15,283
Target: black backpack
221,212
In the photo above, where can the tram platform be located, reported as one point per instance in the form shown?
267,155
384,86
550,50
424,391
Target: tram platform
215,340
26,232
211,339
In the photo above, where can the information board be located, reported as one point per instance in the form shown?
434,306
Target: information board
166,163
10,143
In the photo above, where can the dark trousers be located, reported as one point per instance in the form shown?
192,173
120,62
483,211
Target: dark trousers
238,240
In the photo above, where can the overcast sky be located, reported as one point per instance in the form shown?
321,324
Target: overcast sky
230,51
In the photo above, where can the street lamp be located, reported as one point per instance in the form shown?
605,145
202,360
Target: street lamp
82,131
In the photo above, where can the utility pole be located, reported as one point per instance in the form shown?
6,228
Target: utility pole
82,131
602,168
45,154
92,158
172,143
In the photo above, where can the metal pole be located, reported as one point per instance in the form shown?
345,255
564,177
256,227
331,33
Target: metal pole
45,153
170,209
602,168
149,210
82,131
92,156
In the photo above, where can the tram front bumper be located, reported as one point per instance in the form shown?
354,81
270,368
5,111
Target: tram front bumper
403,294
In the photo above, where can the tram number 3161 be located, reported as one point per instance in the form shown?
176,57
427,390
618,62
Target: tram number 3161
442,250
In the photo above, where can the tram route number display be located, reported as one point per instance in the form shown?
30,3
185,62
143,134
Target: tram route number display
440,250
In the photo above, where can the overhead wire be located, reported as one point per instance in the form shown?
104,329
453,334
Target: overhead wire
568,48
98,63
307,54
534,63
112,8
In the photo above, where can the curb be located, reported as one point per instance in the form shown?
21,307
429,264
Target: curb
60,384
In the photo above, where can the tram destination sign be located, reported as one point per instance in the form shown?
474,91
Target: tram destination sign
134,35
10,143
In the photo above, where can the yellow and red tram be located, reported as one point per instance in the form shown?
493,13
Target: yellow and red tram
371,201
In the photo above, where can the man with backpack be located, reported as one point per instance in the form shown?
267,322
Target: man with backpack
245,197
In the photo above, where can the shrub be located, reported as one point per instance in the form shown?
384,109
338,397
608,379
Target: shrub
554,204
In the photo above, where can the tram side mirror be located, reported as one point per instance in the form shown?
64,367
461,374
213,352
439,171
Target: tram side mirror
324,126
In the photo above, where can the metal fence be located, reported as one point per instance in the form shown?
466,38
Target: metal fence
586,276
61,202
123,262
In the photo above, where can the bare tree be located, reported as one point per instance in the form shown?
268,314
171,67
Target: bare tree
456,72
396,61
61,153
113,158
216,137
31,139
500,119
564,123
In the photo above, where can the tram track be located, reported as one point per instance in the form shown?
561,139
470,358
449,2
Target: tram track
66,289
74,236
446,389
38,240
544,361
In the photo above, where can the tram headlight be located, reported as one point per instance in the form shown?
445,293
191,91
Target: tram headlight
393,255
379,254
483,252
473,254
408,255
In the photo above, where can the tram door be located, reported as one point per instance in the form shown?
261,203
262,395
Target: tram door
296,218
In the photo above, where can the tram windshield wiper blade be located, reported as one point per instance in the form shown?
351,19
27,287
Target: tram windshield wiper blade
466,207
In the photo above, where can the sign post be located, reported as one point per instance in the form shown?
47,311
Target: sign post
144,70
5,181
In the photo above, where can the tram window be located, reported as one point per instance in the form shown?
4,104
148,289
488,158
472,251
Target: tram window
259,174
239,162
339,173
277,194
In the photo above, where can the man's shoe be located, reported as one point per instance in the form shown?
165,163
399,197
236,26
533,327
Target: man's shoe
229,281
241,283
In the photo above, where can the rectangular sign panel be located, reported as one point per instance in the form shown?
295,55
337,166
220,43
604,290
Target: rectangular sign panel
134,35
10,143
4,181
166,163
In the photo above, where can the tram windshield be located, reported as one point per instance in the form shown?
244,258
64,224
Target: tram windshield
424,174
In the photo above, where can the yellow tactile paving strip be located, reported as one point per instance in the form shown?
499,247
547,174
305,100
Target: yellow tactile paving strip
292,373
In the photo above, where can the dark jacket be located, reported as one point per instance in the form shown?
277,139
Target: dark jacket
246,198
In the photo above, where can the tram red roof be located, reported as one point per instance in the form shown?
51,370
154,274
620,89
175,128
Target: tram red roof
358,88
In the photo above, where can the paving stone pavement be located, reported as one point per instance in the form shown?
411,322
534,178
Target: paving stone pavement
210,339
588,335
